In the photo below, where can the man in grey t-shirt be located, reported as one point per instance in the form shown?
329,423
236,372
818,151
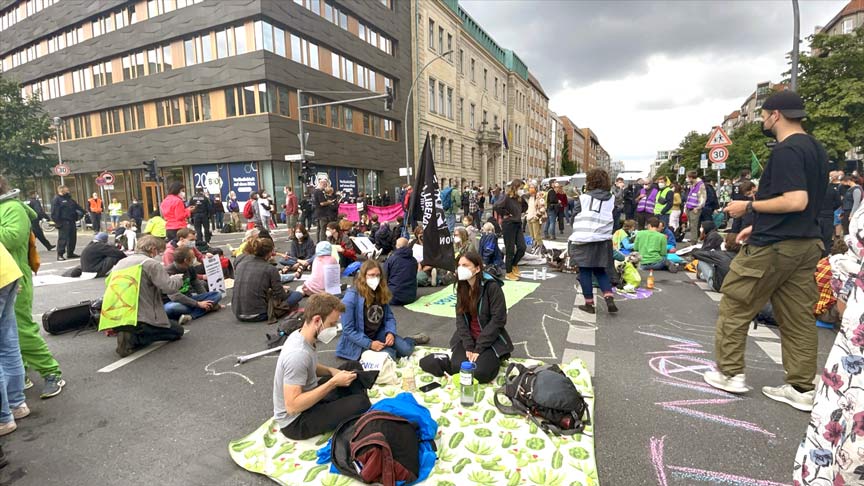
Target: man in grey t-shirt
304,405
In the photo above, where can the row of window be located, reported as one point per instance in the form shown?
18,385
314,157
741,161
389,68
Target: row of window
230,41
442,146
346,22
443,107
103,24
251,99
22,10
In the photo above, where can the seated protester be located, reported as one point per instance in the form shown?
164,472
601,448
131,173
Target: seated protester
747,189
374,226
156,226
622,239
714,264
153,323
250,233
99,256
128,236
711,239
227,266
490,252
494,221
185,237
825,309
481,316
341,239
257,283
305,405
301,250
651,244
473,231
315,283
461,241
400,269
670,237
383,238
368,322
192,300
363,225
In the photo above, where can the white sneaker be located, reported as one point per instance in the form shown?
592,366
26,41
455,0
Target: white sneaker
789,395
735,384
184,319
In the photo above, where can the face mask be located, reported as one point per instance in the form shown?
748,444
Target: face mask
465,223
328,233
464,273
299,236
372,282
457,240
327,335
521,192
767,131
661,185
646,186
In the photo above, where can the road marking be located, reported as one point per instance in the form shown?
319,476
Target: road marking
692,275
772,349
715,296
703,285
580,337
137,354
762,332
586,356
580,315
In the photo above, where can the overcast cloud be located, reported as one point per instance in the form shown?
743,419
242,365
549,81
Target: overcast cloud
643,73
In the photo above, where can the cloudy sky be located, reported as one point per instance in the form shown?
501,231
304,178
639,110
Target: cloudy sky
643,73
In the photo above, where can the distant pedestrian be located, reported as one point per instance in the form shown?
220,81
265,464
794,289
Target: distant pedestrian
65,213
217,212
95,207
35,204
136,214
234,211
292,207
695,202
511,207
173,209
200,206
115,210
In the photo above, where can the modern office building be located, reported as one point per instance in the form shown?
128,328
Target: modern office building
209,89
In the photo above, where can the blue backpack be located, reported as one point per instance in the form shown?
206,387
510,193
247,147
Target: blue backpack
446,200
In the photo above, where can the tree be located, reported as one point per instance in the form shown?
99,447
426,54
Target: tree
691,149
567,166
23,124
746,139
832,85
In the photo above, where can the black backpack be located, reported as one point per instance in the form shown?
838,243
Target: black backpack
546,396
377,447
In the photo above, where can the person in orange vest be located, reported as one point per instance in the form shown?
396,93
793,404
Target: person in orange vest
95,206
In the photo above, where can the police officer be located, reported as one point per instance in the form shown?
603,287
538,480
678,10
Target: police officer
65,213
201,217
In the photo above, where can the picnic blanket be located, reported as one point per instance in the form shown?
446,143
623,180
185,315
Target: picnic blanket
443,302
477,446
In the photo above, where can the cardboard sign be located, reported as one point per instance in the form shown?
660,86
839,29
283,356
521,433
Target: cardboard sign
363,243
215,277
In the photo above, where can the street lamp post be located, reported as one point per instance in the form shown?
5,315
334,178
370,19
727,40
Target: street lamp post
795,43
407,105
57,122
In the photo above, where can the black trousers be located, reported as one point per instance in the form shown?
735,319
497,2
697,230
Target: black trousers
322,227
96,221
826,226
487,363
67,238
514,243
145,334
138,227
39,234
342,403
202,230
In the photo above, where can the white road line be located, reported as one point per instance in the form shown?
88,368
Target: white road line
772,349
586,356
762,332
580,315
137,354
692,275
580,335
703,285
715,296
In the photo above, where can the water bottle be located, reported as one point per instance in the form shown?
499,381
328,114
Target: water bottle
466,381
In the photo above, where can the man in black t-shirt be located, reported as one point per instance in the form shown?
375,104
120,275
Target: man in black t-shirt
778,259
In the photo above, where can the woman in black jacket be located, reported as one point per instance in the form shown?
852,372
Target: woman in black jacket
481,317
510,207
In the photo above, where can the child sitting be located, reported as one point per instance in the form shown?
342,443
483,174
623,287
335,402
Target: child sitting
490,252
623,238
651,244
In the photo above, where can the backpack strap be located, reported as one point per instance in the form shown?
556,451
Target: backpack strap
510,389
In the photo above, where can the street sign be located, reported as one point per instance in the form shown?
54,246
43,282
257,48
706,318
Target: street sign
108,187
100,181
718,138
62,170
719,166
681,170
718,154
703,164
405,172
299,157
108,177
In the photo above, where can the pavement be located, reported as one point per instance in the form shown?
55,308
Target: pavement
166,416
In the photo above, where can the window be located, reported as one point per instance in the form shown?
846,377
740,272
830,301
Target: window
848,26
472,70
240,39
265,101
367,122
279,40
485,120
222,44
450,103
496,87
441,39
139,64
343,20
313,56
431,34
97,77
205,106
349,118
190,110
450,47
461,60
166,58
189,48
268,36
441,99
450,152
495,121
443,142
471,116
230,105
249,100
485,78
296,54
152,62
127,67
376,126
283,101
328,11
152,9
431,99
460,108
335,117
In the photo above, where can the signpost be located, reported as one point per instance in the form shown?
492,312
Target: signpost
62,170
703,162
718,152
718,155
299,157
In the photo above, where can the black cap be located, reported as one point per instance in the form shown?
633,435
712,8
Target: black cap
788,103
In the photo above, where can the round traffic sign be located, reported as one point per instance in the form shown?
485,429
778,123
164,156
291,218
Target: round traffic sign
108,177
62,170
718,154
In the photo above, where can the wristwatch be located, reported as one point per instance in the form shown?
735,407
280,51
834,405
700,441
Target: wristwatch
749,207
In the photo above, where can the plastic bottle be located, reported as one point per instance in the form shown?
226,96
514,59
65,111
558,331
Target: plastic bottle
408,382
466,382
650,284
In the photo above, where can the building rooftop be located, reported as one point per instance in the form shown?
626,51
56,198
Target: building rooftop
851,8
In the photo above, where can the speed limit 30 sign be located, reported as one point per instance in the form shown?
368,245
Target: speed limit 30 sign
718,154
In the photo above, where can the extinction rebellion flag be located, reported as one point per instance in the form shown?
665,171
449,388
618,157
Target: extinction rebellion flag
426,209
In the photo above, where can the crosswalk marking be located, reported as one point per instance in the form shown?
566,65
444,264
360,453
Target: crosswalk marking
762,332
581,337
772,349
715,296
585,355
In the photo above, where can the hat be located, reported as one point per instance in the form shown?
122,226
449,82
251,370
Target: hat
323,248
789,103
101,237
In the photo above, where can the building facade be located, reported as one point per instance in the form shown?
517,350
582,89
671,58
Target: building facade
209,89
556,144
848,19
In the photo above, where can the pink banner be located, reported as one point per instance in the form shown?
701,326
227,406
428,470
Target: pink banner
385,213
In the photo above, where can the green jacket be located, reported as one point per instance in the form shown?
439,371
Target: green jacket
15,218
651,245
455,201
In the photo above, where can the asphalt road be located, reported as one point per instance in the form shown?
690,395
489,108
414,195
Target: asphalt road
166,418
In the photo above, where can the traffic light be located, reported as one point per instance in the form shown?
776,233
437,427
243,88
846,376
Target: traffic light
388,101
152,169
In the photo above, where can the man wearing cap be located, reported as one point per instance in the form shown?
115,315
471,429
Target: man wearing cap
100,257
778,259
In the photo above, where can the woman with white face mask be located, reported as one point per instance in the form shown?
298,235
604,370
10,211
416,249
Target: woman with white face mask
368,321
481,316
301,251
461,241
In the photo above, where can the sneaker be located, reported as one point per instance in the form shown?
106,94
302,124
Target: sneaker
184,319
28,383
53,386
73,256
511,276
8,427
21,411
790,396
589,308
125,343
60,258
420,339
673,268
735,384
610,305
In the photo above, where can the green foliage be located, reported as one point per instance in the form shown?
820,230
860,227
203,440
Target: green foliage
832,85
567,166
23,123
745,139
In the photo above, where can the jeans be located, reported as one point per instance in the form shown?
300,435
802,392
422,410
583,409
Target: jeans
286,277
11,365
115,220
586,281
176,309
220,218
514,243
549,229
658,265
294,298
705,271
451,221
402,347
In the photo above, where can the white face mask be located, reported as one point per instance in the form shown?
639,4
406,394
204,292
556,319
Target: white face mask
299,236
521,192
457,240
661,185
182,194
372,282
326,335
328,233
464,273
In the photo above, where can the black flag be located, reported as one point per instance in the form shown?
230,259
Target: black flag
426,209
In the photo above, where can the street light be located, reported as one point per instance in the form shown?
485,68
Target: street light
795,42
58,122
407,105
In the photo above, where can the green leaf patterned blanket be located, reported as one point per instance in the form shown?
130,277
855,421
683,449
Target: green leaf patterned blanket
477,446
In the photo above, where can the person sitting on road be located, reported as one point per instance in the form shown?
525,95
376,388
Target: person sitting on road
310,399
301,250
185,237
127,237
401,271
368,322
156,226
250,234
493,257
472,229
670,237
713,265
481,317
338,235
99,256
153,323
711,238
461,241
651,244
257,283
192,299
315,283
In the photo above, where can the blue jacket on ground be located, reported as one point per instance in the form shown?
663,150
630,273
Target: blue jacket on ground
354,341
400,268
403,405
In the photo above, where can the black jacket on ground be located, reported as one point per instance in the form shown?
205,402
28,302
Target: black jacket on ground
401,272
492,314
100,258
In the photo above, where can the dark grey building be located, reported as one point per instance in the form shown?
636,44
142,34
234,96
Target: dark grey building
209,88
